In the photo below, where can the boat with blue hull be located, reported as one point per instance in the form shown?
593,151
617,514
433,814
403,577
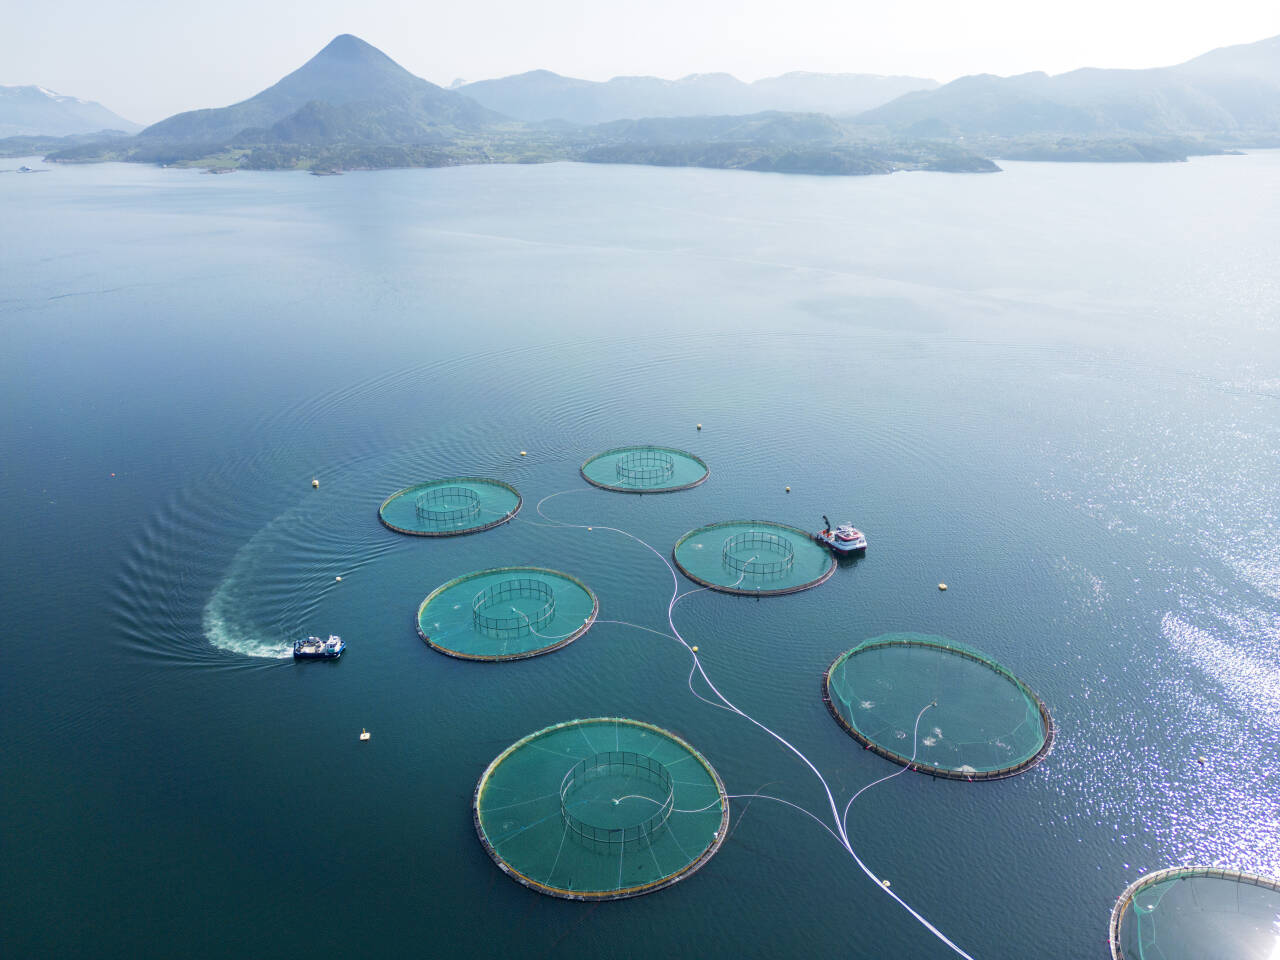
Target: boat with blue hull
844,540
313,648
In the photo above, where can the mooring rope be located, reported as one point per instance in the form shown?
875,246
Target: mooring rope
840,834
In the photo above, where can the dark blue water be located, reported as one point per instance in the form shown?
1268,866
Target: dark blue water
1056,389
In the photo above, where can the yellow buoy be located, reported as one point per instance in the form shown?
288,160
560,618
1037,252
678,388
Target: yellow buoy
695,649
788,489
314,482
524,453
588,529
699,426
942,586
886,884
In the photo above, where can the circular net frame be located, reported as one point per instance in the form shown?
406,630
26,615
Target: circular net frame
584,779
1195,912
494,614
982,722
771,554
753,558
447,504
600,809
506,613
450,507
644,469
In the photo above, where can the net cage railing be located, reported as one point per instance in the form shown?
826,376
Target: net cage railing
1126,900
627,764
755,542
447,504
645,467
513,623
1037,713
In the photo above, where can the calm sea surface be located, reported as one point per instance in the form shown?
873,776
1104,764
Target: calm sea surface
1056,388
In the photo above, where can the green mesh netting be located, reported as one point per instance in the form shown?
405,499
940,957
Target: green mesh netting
600,809
507,613
981,722
754,557
451,506
644,469
1197,913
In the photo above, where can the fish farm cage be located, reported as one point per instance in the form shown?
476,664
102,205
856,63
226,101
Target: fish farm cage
600,809
937,707
506,613
450,507
1189,913
644,469
753,558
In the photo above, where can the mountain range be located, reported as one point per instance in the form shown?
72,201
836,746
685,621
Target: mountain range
351,106
35,111
1230,92
348,90
543,95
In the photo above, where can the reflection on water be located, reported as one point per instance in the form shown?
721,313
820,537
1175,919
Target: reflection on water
1073,428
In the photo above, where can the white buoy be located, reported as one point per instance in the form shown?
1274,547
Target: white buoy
365,734
524,453
942,587
886,884
699,426
314,481
338,579
788,489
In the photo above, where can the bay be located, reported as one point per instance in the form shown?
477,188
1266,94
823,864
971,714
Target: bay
1055,389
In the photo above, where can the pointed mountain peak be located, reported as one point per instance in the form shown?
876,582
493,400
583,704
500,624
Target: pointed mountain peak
346,73
350,51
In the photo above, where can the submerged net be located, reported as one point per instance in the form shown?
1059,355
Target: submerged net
596,777
644,469
447,504
979,721
451,506
771,555
501,596
600,809
1197,912
507,613
757,558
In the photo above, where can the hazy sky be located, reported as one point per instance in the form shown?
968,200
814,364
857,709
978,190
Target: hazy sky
146,59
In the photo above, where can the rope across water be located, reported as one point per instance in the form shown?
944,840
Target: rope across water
840,831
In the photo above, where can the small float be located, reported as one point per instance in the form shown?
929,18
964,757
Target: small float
844,539
313,648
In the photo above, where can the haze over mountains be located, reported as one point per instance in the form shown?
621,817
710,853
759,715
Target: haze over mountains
348,89
35,111
543,95
351,106
1231,92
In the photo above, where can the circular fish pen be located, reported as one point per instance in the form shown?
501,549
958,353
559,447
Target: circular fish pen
450,507
1194,912
645,469
507,613
964,716
600,809
753,558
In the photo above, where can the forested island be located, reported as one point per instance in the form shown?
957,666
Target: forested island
352,107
